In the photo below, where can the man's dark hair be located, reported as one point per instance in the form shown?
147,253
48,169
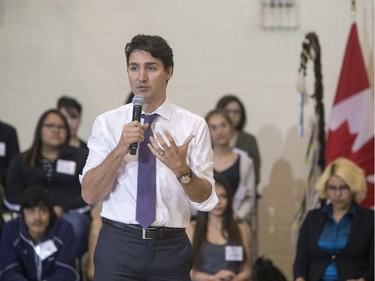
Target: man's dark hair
130,97
35,196
153,44
69,104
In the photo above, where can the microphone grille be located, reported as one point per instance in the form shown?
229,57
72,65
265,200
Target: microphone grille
138,100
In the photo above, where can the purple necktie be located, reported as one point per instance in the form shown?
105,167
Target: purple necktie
146,191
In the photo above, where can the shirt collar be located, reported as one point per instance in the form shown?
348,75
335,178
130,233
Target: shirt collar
328,210
165,110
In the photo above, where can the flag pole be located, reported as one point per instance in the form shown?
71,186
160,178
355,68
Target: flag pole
353,9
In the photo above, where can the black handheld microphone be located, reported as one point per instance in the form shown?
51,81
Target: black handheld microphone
137,112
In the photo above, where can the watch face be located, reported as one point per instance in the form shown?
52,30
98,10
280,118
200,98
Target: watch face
185,179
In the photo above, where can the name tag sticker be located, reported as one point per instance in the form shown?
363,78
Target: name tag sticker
45,249
66,167
2,149
233,253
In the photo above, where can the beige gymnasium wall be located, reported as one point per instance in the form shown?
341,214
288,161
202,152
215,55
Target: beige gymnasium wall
50,48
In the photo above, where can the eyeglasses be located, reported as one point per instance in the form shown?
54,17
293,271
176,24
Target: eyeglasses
233,111
55,126
341,188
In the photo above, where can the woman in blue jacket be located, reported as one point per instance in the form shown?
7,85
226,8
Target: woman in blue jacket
37,245
336,243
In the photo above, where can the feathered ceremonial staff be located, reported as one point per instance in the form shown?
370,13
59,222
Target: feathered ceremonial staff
311,49
315,153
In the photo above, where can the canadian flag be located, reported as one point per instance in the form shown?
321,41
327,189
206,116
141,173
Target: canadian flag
351,124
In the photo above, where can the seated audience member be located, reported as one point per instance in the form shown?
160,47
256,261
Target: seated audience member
220,244
8,148
55,165
72,110
37,245
241,139
233,163
336,242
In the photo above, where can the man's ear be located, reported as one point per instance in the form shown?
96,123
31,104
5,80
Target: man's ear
169,73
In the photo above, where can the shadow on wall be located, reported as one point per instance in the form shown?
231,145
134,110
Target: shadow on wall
282,193
269,142
280,202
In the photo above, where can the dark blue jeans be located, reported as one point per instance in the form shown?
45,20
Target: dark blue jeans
81,227
125,256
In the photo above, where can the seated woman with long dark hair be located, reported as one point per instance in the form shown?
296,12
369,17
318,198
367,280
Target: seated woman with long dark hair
221,245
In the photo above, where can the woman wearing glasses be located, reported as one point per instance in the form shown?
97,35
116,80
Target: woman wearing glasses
336,242
53,164
235,109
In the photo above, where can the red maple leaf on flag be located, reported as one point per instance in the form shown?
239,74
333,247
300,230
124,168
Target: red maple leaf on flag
351,125
363,157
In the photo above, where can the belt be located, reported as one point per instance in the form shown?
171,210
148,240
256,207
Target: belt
145,233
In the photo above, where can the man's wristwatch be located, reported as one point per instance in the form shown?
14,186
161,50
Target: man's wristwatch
185,179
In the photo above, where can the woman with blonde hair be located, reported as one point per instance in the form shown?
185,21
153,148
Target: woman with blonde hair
336,242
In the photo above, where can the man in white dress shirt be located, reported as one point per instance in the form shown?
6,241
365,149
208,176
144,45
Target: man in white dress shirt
184,174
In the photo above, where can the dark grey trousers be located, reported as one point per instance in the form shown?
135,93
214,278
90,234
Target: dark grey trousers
125,256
